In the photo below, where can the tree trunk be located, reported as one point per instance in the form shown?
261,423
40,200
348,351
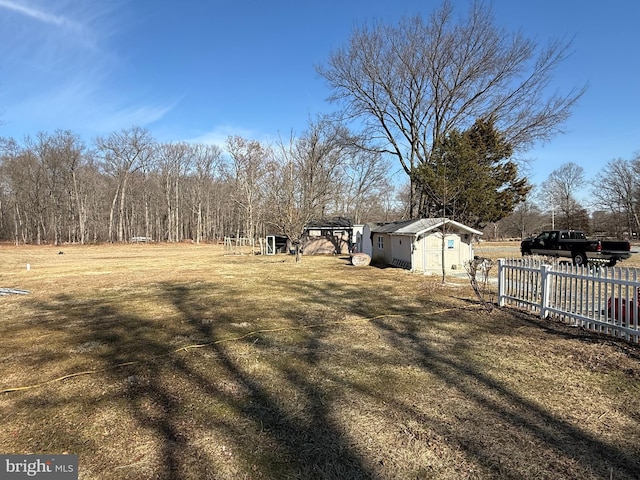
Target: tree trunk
199,223
176,212
121,211
112,213
82,212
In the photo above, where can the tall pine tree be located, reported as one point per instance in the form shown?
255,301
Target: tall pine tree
471,178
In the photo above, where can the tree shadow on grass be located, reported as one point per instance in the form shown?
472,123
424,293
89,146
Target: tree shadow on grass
593,456
127,363
574,449
217,411
167,399
557,328
307,442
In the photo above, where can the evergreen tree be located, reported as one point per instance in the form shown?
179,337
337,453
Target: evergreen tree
471,178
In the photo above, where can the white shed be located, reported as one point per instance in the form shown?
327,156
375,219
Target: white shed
418,245
360,242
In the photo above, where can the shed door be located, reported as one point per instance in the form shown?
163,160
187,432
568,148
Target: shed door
433,253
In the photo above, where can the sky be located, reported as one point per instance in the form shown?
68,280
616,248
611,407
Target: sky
203,70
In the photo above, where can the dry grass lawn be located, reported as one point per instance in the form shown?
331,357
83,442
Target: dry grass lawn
178,362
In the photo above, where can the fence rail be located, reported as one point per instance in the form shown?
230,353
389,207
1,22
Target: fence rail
603,299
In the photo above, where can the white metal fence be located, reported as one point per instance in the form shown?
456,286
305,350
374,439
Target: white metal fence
603,299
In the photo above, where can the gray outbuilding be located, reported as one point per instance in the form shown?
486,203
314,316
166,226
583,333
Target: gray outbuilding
420,244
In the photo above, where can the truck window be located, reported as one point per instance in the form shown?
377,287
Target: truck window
563,235
543,236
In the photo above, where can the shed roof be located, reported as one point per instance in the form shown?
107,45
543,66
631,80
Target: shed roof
419,226
334,222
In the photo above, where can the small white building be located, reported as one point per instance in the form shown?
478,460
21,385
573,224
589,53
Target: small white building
417,245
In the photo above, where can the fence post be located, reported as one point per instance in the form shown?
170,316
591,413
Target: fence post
501,301
546,287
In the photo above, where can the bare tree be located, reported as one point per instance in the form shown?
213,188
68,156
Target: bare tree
174,160
559,190
52,175
616,190
62,155
123,153
249,159
41,181
53,189
95,197
302,178
413,83
362,183
206,160
25,187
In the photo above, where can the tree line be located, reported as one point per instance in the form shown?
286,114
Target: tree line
612,209
55,188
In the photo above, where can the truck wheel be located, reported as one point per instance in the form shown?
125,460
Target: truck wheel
579,259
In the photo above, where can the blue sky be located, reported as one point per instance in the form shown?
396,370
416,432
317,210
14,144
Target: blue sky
203,70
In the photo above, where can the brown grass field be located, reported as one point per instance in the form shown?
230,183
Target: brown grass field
178,362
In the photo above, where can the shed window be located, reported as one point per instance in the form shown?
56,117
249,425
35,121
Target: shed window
380,242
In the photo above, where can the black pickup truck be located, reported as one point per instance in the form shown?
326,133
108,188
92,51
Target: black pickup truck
575,245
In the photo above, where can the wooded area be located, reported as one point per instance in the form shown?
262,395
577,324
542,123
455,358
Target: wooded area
54,188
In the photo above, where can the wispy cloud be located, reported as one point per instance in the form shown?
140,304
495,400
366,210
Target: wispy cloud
219,134
84,105
67,72
125,117
38,14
